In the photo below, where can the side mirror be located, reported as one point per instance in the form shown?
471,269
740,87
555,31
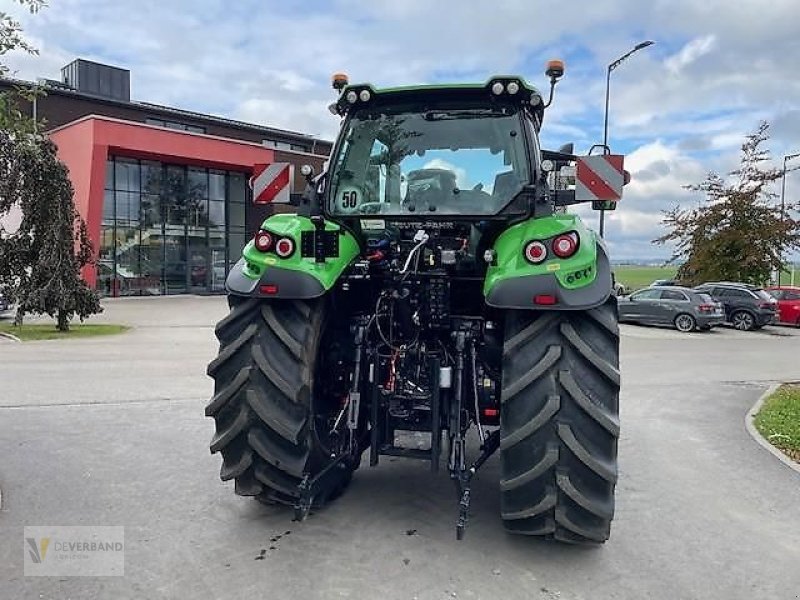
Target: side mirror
567,148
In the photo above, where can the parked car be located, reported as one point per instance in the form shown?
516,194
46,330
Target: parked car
680,307
747,307
662,282
788,298
4,305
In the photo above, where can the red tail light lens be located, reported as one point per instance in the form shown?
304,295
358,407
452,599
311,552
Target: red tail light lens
270,289
535,252
284,247
565,245
545,300
263,241
706,308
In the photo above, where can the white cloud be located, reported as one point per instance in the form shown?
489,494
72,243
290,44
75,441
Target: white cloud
690,53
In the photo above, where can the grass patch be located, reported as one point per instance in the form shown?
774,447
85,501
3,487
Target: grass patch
635,277
49,332
779,420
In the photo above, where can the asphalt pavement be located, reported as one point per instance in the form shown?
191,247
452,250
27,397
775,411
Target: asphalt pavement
111,431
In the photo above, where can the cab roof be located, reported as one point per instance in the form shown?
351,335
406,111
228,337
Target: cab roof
524,95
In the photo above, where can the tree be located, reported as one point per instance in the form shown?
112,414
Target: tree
40,263
11,39
739,233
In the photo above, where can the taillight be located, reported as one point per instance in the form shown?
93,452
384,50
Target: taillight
535,252
767,305
263,241
706,308
545,300
565,245
284,247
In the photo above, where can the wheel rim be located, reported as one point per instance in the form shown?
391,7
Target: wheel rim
743,321
684,323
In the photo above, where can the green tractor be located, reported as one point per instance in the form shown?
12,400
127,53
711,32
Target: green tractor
431,281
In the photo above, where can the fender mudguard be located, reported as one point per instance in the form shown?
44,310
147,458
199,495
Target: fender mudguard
579,282
265,274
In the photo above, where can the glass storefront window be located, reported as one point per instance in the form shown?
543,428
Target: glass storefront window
108,206
126,175
164,228
216,185
110,174
151,173
216,214
237,188
174,198
236,243
127,207
236,215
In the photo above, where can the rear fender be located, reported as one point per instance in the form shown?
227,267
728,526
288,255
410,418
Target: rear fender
579,282
265,274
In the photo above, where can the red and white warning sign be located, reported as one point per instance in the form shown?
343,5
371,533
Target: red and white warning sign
272,183
599,177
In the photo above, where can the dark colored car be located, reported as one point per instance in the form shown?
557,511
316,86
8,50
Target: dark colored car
747,307
788,298
679,307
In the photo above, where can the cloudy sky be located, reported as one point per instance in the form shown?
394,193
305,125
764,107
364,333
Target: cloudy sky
678,109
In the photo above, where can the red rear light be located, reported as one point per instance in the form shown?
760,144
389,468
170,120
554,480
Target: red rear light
490,412
565,245
535,252
706,308
545,299
263,241
270,289
284,247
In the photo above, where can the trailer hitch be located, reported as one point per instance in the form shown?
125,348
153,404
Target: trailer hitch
321,485
464,479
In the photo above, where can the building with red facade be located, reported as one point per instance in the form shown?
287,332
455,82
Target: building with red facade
163,191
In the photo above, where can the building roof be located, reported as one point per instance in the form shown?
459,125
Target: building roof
55,87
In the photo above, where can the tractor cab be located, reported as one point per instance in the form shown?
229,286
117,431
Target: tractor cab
435,151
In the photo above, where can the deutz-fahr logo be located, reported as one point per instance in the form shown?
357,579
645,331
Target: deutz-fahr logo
579,275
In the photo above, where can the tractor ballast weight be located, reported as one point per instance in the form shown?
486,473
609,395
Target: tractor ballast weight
430,281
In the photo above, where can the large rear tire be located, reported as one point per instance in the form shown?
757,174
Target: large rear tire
559,423
263,400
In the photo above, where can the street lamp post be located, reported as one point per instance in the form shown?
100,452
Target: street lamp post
611,67
783,200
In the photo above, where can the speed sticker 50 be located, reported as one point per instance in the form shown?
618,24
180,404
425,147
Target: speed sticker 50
348,199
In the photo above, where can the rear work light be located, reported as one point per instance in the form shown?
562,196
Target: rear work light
263,241
565,245
284,247
535,252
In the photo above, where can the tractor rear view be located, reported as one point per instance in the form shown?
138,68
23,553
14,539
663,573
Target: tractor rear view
431,281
